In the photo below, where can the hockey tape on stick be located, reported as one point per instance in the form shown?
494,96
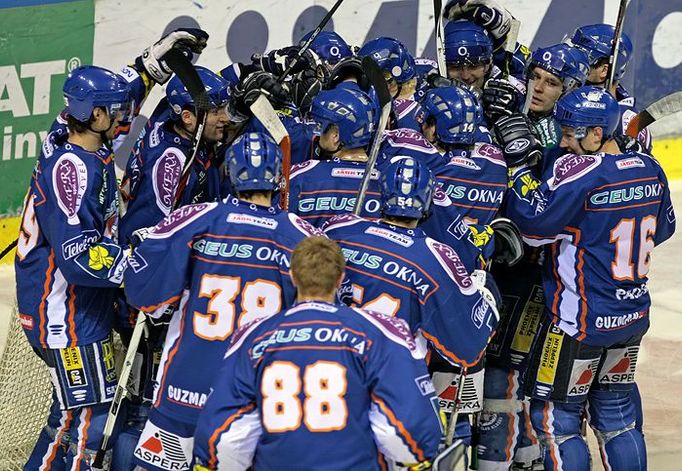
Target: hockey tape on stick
440,41
266,114
617,35
666,106
310,40
376,79
183,68
121,391
510,45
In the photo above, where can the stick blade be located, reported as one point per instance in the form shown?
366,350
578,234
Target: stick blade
266,114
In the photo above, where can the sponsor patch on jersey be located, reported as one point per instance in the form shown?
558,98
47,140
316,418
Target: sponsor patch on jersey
154,136
353,173
632,162
440,197
491,153
396,238
136,261
165,177
478,312
670,214
178,219
582,374
453,265
619,366
26,321
163,449
425,385
394,328
633,293
465,162
70,181
410,139
304,226
78,244
258,221
572,167
625,194
186,397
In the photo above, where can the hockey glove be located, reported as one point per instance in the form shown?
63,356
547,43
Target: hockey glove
277,61
256,84
500,98
508,242
485,284
188,39
304,87
515,136
629,144
488,14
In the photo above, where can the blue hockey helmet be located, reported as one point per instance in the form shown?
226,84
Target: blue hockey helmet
456,112
467,43
254,162
392,56
89,87
217,88
407,187
597,42
588,107
568,63
329,46
351,110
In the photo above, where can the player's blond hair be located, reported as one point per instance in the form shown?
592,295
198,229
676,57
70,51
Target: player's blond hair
317,264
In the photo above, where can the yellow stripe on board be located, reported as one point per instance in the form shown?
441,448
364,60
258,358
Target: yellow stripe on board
9,229
669,153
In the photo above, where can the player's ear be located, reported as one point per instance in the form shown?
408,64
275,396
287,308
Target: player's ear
598,133
603,71
187,118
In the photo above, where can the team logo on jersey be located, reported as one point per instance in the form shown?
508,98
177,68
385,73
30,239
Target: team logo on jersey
163,449
453,265
582,374
166,174
572,167
99,258
619,366
70,180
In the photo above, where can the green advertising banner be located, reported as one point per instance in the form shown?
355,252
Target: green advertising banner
41,43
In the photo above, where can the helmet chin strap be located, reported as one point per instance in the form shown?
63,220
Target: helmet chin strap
103,134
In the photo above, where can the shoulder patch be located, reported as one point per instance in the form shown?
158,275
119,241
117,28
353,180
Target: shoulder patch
452,264
304,227
165,177
440,197
240,335
342,220
489,152
179,219
410,139
302,168
394,328
70,182
571,167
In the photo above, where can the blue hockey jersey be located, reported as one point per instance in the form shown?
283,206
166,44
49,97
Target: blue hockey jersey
223,264
602,214
402,272
405,142
322,189
320,386
152,175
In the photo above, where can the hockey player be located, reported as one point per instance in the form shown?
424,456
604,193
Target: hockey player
400,72
68,247
602,212
597,42
327,185
215,267
394,268
508,436
320,385
150,183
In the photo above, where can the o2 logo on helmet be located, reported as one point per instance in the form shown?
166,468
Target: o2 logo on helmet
547,56
463,51
519,145
396,71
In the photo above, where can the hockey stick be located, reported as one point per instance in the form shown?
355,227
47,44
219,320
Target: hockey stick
310,40
510,45
449,458
376,79
452,424
265,113
440,42
666,106
617,35
184,69
9,248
